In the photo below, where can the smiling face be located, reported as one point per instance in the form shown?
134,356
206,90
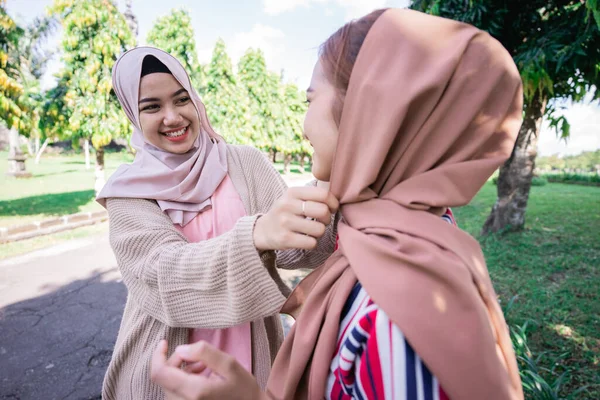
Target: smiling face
168,118
320,127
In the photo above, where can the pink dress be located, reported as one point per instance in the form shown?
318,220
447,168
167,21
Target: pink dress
227,208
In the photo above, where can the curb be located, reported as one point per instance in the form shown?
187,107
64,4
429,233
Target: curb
49,226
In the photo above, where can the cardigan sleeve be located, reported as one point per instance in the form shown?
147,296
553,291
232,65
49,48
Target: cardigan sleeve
216,283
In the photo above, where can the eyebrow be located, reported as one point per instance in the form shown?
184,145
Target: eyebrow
149,99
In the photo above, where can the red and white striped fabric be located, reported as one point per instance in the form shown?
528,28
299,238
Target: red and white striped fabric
373,360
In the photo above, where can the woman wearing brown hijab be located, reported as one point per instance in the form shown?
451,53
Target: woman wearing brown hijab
409,115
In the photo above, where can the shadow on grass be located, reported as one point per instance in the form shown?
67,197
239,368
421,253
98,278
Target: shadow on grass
49,204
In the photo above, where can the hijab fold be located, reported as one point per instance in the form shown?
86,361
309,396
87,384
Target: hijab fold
433,108
182,184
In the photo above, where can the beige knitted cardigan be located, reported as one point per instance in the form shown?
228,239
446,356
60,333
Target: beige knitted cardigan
174,285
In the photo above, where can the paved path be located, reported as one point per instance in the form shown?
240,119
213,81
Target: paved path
60,311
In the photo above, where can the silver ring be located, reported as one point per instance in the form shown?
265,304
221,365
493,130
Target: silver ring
304,208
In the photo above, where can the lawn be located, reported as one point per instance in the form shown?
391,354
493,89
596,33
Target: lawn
60,185
554,269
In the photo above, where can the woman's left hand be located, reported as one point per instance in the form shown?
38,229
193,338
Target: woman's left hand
228,379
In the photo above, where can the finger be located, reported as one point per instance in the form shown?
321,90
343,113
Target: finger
308,193
163,374
159,357
175,360
307,227
218,361
195,368
311,193
197,387
318,211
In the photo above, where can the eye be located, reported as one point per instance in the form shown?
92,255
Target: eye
150,107
183,100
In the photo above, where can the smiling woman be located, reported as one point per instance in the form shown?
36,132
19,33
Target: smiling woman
198,227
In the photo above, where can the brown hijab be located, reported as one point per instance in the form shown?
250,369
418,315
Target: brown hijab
432,110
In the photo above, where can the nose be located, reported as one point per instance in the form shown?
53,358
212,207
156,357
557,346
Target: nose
172,117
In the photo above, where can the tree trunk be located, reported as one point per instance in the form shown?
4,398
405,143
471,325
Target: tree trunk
30,148
301,161
38,155
86,149
274,153
100,179
287,160
514,181
37,143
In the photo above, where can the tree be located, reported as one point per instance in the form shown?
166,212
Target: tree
95,34
295,111
556,46
226,103
32,63
11,110
23,62
174,34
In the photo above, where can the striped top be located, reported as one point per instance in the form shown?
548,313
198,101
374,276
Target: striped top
373,360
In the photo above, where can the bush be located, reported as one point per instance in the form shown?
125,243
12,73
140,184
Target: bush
580,178
536,181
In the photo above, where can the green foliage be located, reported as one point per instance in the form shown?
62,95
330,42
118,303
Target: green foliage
12,109
539,383
539,181
578,178
594,8
251,107
586,161
227,108
279,108
22,63
555,44
262,90
174,34
535,181
95,34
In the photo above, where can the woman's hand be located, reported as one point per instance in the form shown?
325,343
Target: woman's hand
228,379
296,220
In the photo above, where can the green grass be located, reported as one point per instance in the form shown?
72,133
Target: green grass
553,267
60,185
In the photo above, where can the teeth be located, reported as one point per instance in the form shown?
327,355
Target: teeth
177,133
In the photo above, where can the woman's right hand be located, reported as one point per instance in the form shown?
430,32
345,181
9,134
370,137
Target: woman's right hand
287,224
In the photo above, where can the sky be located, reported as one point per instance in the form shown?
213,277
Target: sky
289,32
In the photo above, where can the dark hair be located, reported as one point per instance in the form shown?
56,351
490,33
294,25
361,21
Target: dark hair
339,52
151,65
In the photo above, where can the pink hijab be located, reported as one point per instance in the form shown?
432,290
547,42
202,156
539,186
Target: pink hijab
182,184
